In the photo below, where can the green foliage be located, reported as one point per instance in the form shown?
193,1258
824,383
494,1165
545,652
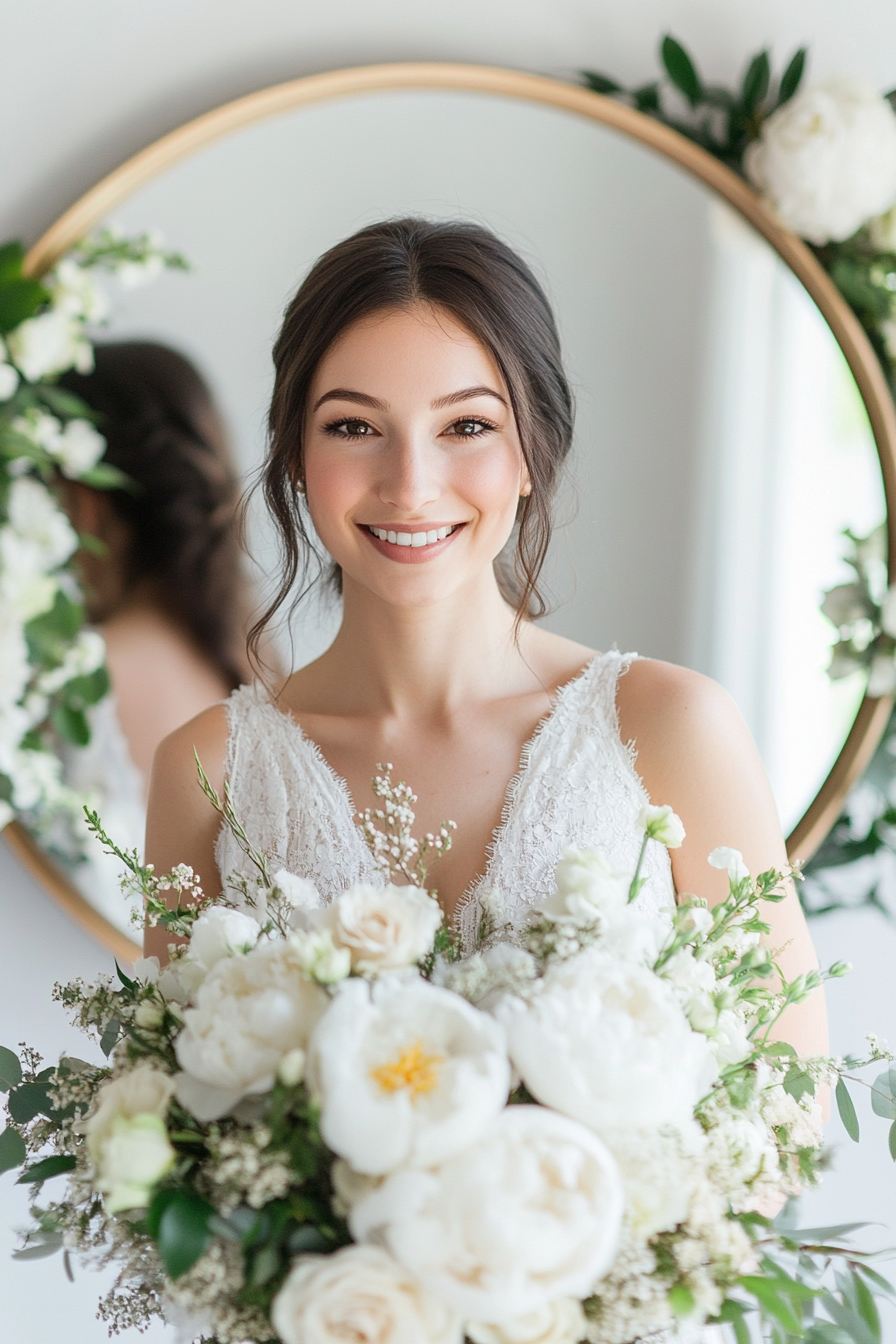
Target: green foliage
883,1094
178,1222
10,1069
721,121
847,1110
12,1149
56,1165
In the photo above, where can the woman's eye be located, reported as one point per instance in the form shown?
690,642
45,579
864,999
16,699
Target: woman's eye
471,428
349,429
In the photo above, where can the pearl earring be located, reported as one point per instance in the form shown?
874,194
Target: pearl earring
525,492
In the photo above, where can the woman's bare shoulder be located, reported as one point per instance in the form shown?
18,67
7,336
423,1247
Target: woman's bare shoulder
205,737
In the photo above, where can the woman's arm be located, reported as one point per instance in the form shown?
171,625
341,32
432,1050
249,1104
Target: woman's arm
696,754
181,824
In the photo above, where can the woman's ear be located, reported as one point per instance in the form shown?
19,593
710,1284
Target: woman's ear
88,509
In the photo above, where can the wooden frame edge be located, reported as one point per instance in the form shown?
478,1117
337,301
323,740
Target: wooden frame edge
95,204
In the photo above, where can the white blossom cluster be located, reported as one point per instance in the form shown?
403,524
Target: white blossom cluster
547,1142
44,436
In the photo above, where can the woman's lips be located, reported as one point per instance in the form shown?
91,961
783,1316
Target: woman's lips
413,546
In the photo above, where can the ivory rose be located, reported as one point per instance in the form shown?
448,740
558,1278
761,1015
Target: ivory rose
607,1043
384,928
126,1136
559,1322
360,1294
529,1213
250,1011
404,1072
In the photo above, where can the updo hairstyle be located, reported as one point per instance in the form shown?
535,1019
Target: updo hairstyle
489,290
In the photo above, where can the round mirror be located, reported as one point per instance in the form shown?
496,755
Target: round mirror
731,418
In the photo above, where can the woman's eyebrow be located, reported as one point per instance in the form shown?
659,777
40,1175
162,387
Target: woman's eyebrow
346,394
465,395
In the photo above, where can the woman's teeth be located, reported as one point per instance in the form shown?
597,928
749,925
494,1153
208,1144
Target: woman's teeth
412,538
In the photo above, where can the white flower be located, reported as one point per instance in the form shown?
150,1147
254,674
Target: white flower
362,1294
220,932
559,1322
528,1214
84,655
321,959
134,274
9,380
732,859
75,293
126,1136
662,824
587,888
48,344
36,518
384,928
405,1073
695,982
298,892
78,448
729,1039
659,1170
882,675
250,1011
826,160
607,1043
291,1069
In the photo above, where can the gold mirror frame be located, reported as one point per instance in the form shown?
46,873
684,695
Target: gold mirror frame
109,193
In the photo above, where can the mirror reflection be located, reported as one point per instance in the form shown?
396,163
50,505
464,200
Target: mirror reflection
721,443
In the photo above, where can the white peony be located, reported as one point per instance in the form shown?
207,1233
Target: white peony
384,928
826,160
78,448
528,1214
662,824
405,1073
50,343
298,892
219,933
361,1294
559,1322
126,1136
250,1011
588,889
723,856
607,1043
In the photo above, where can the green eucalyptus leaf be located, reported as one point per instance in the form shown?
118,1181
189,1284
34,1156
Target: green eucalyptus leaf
87,690
71,724
49,1166
773,1301
892,1140
265,1264
647,98
63,403
756,81
847,1110
109,1038
883,1101
12,257
182,1230
792,76
12,1149
106,477
28,1101
57,626
681,70
600,83
49,1244
863,1299
10,1069
798,1083
19,300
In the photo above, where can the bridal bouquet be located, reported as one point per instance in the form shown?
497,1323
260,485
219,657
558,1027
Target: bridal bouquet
320,1122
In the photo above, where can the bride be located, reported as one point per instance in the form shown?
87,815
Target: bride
419,422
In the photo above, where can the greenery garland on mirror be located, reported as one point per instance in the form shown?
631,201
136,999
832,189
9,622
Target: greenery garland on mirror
52,666
824,157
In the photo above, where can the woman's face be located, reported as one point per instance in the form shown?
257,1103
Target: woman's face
413,467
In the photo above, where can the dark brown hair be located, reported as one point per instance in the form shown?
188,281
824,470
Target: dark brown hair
485,286
162,429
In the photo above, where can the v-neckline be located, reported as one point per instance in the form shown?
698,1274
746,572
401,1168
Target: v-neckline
511,793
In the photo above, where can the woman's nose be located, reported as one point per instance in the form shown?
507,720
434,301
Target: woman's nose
410,476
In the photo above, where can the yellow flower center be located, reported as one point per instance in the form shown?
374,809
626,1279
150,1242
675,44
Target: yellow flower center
411,1069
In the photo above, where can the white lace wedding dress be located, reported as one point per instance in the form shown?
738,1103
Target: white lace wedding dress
577,784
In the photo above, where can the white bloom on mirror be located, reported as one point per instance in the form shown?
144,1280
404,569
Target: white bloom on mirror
78,448
48,344
359,1293
384,928
76,294
608,1044
83,656
36,519
9,378
588,888
730,860
405,1072
559,1322
528,1214
662,824
882,675
126,1136
826,160
250,1011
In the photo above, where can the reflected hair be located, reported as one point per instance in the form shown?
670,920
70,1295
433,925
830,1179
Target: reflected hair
468,272
163,431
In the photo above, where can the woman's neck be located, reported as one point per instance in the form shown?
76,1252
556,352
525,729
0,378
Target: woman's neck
419,661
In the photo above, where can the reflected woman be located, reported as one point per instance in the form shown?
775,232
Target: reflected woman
166,587
419,423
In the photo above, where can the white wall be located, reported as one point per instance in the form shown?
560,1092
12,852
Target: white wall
86,84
